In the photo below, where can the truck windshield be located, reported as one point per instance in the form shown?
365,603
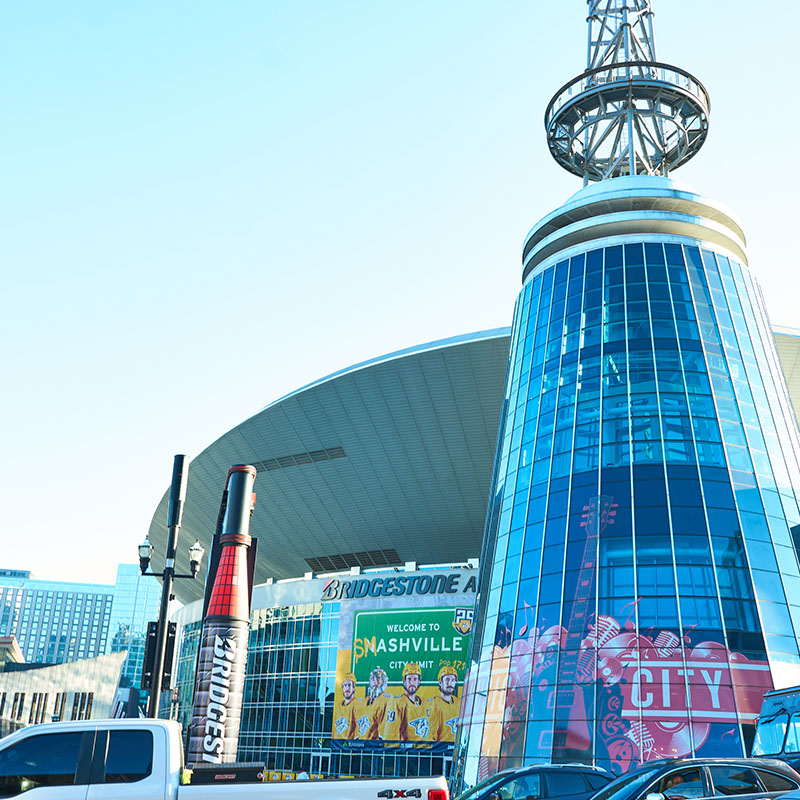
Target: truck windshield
793,736
770,734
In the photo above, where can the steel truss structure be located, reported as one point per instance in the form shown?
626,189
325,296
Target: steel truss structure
628,114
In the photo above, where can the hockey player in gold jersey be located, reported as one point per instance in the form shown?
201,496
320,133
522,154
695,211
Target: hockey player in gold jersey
443,708
373,707
406,717
348,710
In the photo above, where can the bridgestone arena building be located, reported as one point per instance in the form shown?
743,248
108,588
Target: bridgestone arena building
373,488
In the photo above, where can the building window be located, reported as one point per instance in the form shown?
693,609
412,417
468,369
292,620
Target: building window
32,713
18,706
82,705
58,706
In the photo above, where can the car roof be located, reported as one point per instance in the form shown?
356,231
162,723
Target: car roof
574,767
722,760
659,763
688,763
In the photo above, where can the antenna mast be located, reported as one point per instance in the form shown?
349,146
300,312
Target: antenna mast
628,114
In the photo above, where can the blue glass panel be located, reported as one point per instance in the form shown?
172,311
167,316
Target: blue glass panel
688,520
674,254
634,255
774,615
696,611
613,257
654,255
729,553
649,486
755,528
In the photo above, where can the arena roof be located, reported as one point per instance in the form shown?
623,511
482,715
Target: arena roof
381,463
384,462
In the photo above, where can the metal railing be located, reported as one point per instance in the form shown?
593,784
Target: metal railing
650,73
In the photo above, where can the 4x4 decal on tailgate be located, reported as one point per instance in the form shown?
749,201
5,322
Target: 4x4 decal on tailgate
400,793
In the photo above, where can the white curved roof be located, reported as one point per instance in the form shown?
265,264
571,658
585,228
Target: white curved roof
385,462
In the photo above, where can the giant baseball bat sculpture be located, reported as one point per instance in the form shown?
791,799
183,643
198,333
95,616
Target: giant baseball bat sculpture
219,685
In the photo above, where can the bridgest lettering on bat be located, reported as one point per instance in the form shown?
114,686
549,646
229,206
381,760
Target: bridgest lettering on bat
219,693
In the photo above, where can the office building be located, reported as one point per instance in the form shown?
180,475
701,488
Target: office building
58,622
55,621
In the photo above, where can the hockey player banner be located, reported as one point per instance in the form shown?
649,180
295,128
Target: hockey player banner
214,730
398,677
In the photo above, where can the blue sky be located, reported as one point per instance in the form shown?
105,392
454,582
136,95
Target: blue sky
208,205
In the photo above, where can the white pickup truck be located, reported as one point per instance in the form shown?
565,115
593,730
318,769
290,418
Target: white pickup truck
143,760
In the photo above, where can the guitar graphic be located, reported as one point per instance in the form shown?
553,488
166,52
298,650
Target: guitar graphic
576,665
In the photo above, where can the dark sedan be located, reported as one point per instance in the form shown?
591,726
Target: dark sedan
567,781
691,779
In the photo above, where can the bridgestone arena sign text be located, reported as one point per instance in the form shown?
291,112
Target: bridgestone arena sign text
454,583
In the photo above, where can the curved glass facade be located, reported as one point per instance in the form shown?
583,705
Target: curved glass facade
640,586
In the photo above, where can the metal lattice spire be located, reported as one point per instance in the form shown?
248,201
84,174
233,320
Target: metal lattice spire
628,114
620,31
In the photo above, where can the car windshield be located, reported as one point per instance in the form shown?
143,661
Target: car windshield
483,785
626,785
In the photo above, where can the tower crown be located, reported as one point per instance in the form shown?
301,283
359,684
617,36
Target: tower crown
628,113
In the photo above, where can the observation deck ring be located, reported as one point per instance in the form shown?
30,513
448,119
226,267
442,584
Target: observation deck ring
653,90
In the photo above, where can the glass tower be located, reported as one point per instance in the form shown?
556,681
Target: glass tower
136,601
640,582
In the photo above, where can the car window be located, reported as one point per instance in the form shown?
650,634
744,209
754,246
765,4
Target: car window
626,785
525,787
129,757
770,734
596,781
681,784
47,760
562,783
483,786
775,783
734,780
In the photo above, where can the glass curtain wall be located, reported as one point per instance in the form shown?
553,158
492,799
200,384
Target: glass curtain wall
641,587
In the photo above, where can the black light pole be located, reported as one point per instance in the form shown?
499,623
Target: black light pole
177,499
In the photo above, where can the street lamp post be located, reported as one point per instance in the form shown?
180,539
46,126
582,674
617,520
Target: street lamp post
177,499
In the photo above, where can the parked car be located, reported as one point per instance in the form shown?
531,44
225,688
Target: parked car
693,778
563,781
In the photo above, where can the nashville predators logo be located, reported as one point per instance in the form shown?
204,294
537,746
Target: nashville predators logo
462,621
